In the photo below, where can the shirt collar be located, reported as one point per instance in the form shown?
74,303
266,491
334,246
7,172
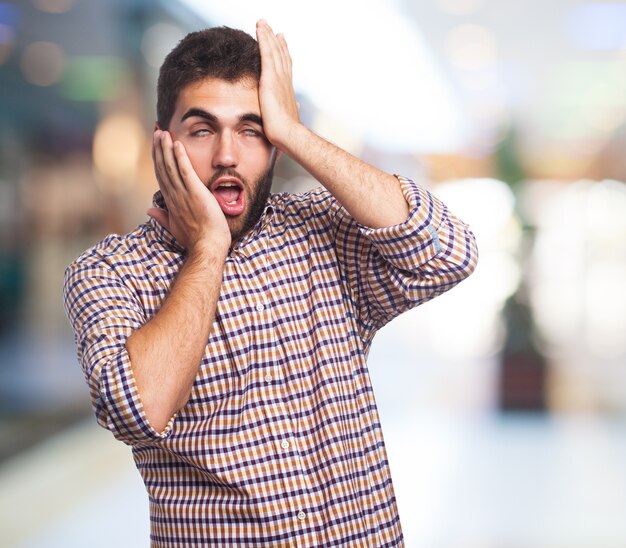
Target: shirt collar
167,238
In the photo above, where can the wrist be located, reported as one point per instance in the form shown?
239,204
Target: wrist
209,248
289,137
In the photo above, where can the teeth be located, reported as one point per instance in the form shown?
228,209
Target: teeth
228,184
232,203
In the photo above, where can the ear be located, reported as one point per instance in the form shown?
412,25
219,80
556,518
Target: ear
156,126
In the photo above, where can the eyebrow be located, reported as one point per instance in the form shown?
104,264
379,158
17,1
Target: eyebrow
200,113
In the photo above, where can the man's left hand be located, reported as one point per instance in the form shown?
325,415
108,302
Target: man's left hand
279,108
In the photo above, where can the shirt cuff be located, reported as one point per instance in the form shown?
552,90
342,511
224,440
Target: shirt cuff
122,410
415,241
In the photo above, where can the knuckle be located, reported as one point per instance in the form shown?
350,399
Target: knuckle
169,169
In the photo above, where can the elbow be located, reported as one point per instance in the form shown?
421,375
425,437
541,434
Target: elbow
468,257
462,262
159,421
159,410
119,403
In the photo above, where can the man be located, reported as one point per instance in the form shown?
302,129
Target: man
226,339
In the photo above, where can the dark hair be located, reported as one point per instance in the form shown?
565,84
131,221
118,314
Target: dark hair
220,52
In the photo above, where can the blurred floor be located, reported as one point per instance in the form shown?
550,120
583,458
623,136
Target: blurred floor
461,481
527,482
77,489
465,476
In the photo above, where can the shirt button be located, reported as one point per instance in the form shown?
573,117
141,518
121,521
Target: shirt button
268,378
301,515
284,444
260,307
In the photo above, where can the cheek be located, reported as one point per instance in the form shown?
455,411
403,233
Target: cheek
258,159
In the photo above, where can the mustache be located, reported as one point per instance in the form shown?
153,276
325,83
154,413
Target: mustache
227,172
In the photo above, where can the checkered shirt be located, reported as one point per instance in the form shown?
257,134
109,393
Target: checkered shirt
280,443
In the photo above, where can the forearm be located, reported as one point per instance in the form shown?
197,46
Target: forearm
372,197
166,352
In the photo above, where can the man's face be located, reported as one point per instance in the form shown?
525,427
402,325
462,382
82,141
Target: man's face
219,123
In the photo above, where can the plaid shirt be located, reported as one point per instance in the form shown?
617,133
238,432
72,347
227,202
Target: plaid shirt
280,443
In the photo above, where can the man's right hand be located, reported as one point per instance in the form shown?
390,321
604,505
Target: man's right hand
165,353
193,215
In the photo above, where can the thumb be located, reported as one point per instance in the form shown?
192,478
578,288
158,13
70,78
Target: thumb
160,216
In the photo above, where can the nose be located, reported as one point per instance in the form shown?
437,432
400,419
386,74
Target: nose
225,154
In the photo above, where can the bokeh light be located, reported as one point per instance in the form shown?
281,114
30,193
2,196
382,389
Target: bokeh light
95,78
459,7
54,6
7,42
158,40
471,47
597,25
42,63
117,146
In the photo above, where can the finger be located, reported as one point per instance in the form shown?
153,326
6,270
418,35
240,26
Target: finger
159,169
154,136
284,52
157,157
263,26
268,46
171,165
186,170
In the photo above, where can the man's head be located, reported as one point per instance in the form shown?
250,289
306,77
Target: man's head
221,53
208,100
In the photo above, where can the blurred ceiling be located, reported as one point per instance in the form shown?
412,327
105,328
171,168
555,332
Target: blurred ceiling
403,76
468,71
558,68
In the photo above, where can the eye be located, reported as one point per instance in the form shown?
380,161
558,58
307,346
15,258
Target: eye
252,132
201,132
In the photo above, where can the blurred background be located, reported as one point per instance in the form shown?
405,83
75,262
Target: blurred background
503,402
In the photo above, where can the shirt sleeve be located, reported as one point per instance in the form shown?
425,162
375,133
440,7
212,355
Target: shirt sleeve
390,270
104,313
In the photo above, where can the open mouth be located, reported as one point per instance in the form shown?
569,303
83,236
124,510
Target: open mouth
230,195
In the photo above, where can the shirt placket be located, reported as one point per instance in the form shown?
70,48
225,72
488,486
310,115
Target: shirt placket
282,413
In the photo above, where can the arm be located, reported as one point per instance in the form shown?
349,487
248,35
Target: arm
390,270
166,352
373,198
397,244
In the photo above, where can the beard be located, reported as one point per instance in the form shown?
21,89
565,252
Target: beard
257,195
257,202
